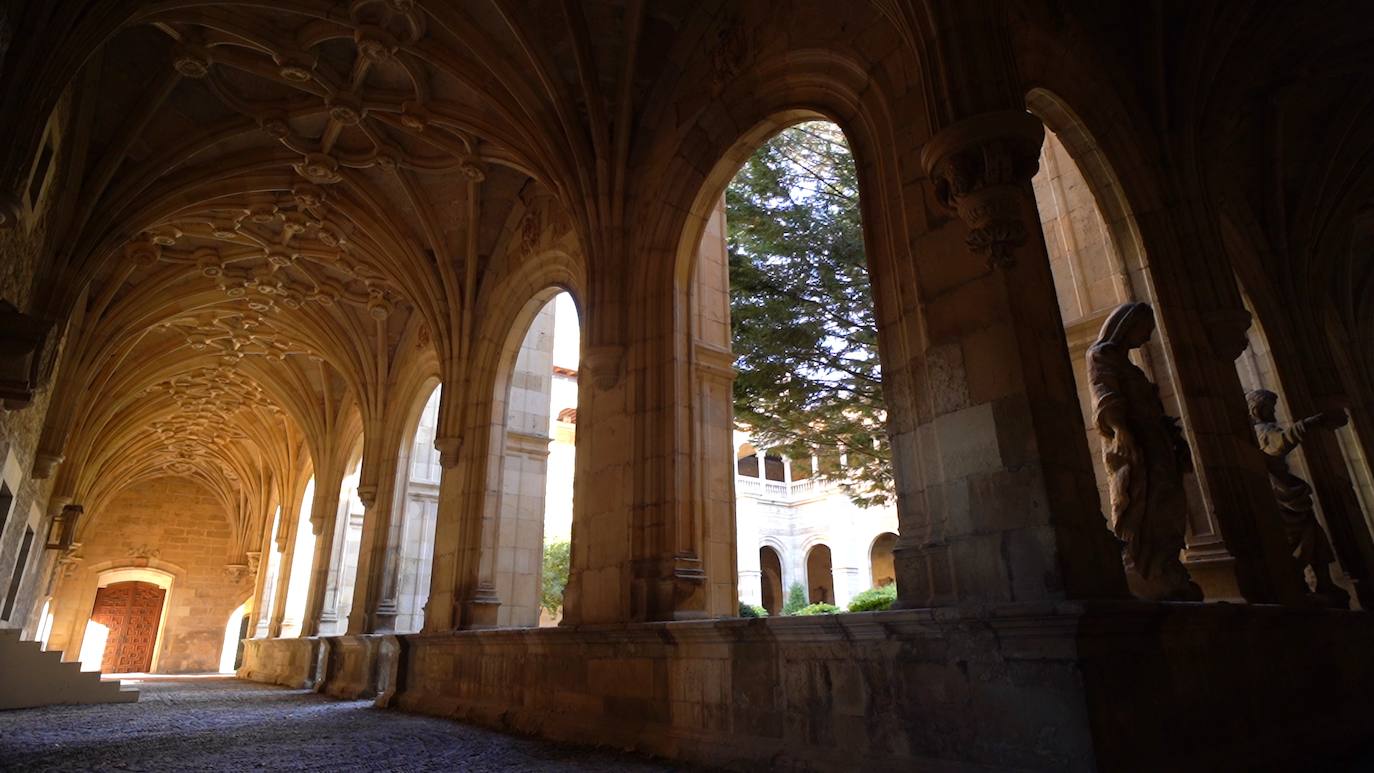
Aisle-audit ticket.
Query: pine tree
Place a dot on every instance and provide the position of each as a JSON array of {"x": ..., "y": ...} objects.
[
  {"x": 796, "y": 599},
  {"x": 804, "y": 330}
]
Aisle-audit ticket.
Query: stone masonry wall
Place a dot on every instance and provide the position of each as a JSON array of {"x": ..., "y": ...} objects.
[
  {"x": 1063, "y": 687},
  {"x": 170, "y": 525}
]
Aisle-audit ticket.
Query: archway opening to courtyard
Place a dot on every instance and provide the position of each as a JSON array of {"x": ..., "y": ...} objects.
[
  {"x": 1257, "y": 370},
  {"x": 345, "y": 543},
  {"x": 302, "y": 556},
  {"x": 533, "y": 460},
  {"x": 235, "y": 631},
  {"x": 781, "y": 288},
  {"x": 417, "y": 507},
  {"x": 1098, "y": 262}
]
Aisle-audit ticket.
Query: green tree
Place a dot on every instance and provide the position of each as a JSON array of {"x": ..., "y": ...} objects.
[
  {"x": 555, "y": 575},
  {"x": 796, "y": 599},
  {"x": 804, "y": 331}
]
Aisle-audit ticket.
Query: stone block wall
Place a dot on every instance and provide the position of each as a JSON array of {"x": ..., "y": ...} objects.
[
  {"x": 1065, "y": 687},
  {"x": 170, "y": 526}
]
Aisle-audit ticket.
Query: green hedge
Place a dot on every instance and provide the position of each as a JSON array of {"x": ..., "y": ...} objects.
[
  {"x": 821, "y": 608},
  {"x": 874, "y": 599},
  {"x": 751, "y": 610}
]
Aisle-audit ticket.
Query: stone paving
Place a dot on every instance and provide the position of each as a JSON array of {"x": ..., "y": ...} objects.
[{"x": 223, "y": 724}]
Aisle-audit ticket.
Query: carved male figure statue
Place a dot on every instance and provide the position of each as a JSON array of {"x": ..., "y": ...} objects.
[
  {"x": 1311, "y": 549},
  {"x": 1145, "y": 456}
]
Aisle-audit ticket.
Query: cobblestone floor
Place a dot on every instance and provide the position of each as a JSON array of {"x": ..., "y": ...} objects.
[{"x": 228, "y": 725}]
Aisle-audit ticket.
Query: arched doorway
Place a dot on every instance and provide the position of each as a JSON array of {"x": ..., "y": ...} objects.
[
  {"x": 124, "y": 631},
  {"x": 880, "y": 560},
  {"x": 770, "y": 578},
  {"x": 819, "y": 580},
  {"x": 131, "y": 613}
]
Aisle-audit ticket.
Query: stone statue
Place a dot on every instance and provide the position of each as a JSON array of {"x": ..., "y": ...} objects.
[
  {"x": 1145, "y": 456},
  {"x": 1311, "y": 549}
]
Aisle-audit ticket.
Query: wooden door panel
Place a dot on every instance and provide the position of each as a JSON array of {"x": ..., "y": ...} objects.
[{"x": 131, "y": 612}]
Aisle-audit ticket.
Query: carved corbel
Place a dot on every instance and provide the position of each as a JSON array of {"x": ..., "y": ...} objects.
[
  {"x": 980, "y": 167},
  {"x": 367, "y": 494},
  {"x": 22, "y": 339},
  {"x": 448, "y": 448},
  {"x": 62, "y": 531},
  {"x": 1226, "y": 329},
  {"x": 605, "y": 363}
]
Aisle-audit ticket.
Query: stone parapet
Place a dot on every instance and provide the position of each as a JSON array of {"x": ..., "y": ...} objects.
[
  {"x": 1067, "y": 686},
  {"x": 289, "y": 662}
]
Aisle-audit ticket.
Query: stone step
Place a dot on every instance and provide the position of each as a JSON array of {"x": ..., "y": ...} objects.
[{"x": 30, "y": 676}]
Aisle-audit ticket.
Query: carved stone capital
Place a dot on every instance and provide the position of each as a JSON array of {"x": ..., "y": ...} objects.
[
  {"x": 254, "y": 558},
  {"x": 448, "y": 448},
  {"x": 236, "y": 573},
  {"x": 1226, "y": 329},
  {"x": 980, "y": 167},
  {"x": 605, "y": 363}
]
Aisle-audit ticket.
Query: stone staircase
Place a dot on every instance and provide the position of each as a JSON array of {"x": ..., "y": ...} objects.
[{"x": 31, "y": 677}]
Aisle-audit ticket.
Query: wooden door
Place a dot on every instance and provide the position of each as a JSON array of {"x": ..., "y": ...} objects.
[{"x": 131, "y": 611}]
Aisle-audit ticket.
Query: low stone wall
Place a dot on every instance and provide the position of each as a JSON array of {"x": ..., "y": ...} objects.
[
  {"x": 289, "y": 662},
  {"x": 1047, "y": 687}
]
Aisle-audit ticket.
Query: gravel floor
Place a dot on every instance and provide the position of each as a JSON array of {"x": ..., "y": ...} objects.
[{"x": 228, "y": 725}]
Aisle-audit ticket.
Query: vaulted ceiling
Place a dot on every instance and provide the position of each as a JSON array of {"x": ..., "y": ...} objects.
[{"x": 271, "y": 214}]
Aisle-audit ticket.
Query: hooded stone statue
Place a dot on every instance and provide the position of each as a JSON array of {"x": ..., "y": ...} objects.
[
  {"x": 1145, "y": 456},
  {"x": 1311, "y": 549}
]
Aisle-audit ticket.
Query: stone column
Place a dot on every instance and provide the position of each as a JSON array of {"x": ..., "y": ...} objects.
[
  {"x": 262, "y": 593},
  {"x": 369, "y": 613},
  {"x": 441, "y": 611}
]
